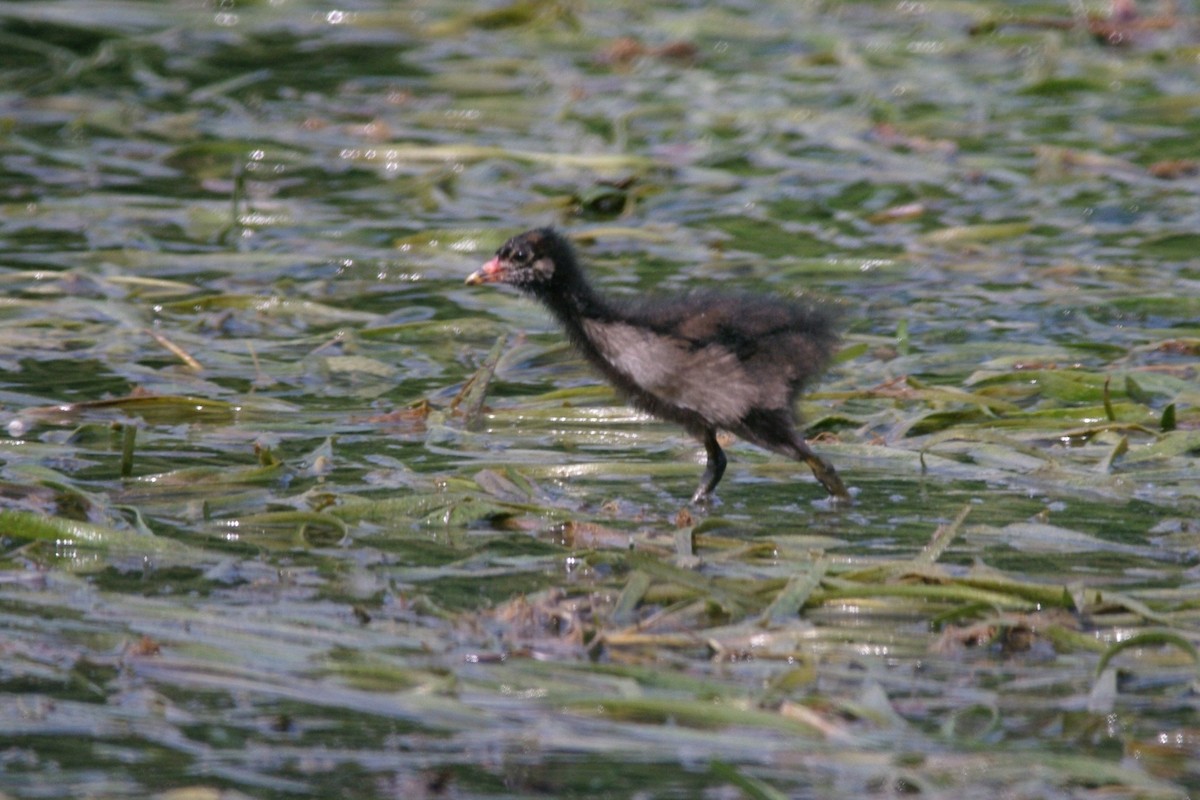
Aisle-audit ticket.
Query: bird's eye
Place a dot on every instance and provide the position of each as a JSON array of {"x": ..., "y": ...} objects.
[{"x": 521, "y": 255}]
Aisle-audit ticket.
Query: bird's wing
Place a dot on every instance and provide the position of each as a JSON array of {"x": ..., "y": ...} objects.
[{"x": 704, "y": 377}]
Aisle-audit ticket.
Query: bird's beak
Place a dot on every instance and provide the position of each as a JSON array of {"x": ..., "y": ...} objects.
[{"x": 491, "y": 272}]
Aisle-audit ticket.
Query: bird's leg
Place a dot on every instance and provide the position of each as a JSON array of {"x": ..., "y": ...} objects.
[
  {"x": 713, "y": 471},
  {"x": 824, "y": 472}
]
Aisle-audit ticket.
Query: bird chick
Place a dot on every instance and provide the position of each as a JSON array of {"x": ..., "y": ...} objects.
[{"x": 708, "y": 361}]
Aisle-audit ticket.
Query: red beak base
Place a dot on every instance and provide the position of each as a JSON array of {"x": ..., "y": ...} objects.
[{"x": 491, "y": 272}]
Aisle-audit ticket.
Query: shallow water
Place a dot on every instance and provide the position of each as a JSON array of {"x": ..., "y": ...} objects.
[{"x": 288, "y": 509}]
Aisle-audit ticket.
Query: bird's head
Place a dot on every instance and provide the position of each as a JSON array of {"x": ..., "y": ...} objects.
[{"x": 537, "y": 262}]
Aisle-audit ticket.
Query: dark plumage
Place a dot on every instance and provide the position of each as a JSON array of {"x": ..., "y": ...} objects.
[{"x": 709, "y": 361}]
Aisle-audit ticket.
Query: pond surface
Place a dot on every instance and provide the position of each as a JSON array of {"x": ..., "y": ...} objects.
[{"x": 286, "y": 509}]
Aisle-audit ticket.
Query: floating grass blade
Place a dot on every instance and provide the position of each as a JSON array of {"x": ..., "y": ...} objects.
[
  {"x": 942, "y": 537},
  {"x": 154, "y": 409},
  {"x": 787, "y": 604},
  {"x": 128, "y": 439},
  {"x": 468, "y": 153},
  {"x": 471, "y": 397},
  {"x": 625, "y": 611},
  {"x": 69, "y": 532},
  {"x": 1161, "y": 638},
  {"x": 187, "y": 358},
  {"x": 705, "y": 587},
  {"x": 752, "y": 788},
  {"x": 1116, "y": 451}
]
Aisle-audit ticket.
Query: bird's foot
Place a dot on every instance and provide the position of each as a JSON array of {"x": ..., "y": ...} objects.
[
  {"x": 835, "y": 502},
  {"x": 704, "y": 498},
  {"x": 827, "y": 476}
]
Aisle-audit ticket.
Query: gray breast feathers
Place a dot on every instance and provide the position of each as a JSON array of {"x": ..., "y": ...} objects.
[{"x": 707, "y": 378}]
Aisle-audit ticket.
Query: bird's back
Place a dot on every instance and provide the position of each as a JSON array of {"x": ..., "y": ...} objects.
[{"x": 719, "y": 355}]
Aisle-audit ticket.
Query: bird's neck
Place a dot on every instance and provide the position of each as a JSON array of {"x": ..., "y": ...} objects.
[
  {"x": 580, "y": 304},
  {"x": 579, "y": 301}
]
